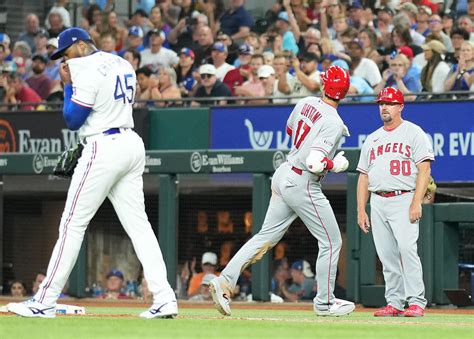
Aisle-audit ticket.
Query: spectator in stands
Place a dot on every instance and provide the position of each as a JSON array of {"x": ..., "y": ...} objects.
[
  {"x": 268, "y": 58},
  {"x": 208, "y": 266},
  {"x": 414, "y": 70},
  {"x": 266, "y": 74},
  {"x": 157, "y": 56},
  {"x": 32, "y": 28},
  {"x": 281, "y": 66},
  {"x": 458, "y": 36},
  {"x": 184, "y": 72},
  {"x": 236, "y": 22},
  {"x": 21, "y": 49},
  {"x": 407, "y": 19},
  {"x": 157, "y": 22},
  {"x": 204, "y": 292},
  {"x": 306, "y": 80},
  {"x": 203, "y": 48},
  {"x": 17, "y": 289},
  {"x": 94, "y": 18},
  {"x": 465, "y": 22},
  {"x": 167, "y": 86},
  {"x": 37, "y": 282},
  {"x": 114, "y": 286},
  {"x": 133, "y": 57},
  {"x": 361, "y": 66},
  {"x": 303, "y": 285},
  {"x": 397, "y": 76},
  {"x": 436, "y": 27},
  {"x": 210, "y": 87},
  {"x": 422, "y": 19},
  {"x": 232, "y": 49},
  {"x": 384, "y": 25},
  {"x": 140, "y": 19},
  {"x": 111, "y": 25},
  {"x": 369, "y": 43},
  {"x": 461, "y": 75},
  {"x": 39, "y": 81},
  {"x": 448, "y": 23},
  {"x": 190, "y": 30},
  {"x": 56, "y": 25},
  {"x": 147, "y": 87},
  {"x": 236, "y": 77},
  {"x": 17, "y": 92},
  {"x": 401, "y": 37},
  {"x": 356, "y": 15},
  {"x": 60, "y": 8},
  {"x": 5, "y": 43},
  {"x": 107, "y": 43},
  {"x": 134, "y": 39},
  {"x": 219, "y": 56},
  {"x": 311, "y": 36},
  {"x": 52, "y": 67},
  {"x": 41, "y": 42},
  {"x": 359, "y": 85},
  {"x": 289, "y": 41},
  {"x": 253, "y": 87},
  {"x": 435, "y": 72}
]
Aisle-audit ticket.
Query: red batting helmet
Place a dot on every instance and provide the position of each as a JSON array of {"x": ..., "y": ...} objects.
[
  {"x": 336, "y": 82},
  {"x": 391, "y": 94}
]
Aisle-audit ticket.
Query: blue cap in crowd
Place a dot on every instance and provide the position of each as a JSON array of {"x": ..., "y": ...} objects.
[
  {"x": 115, "y": 273},
  {"x": 220, "y": 47},
  {"x": 283, "y": 16},
  {"x": 136, "y": 31},
  {"x": 68, "y": 38}
]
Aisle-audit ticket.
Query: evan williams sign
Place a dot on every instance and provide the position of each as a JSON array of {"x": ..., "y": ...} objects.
[{"x": 7, "y": 137}]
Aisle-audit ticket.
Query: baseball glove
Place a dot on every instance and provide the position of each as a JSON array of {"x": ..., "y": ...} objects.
[
  {"x": 430, "y": 190},
  {"x": 68, "y": 161}
]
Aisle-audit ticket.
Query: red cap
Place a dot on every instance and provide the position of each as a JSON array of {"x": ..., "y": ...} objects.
[
  {"x": 336, "y": 82},
  {"x": 391, "y": 94},
  {"x": 407, "y": 51}
]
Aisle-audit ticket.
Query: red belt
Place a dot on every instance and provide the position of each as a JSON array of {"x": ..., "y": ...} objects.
[
  {"x": 297, "y": 170},
  {"x": 391, "y": 194}
]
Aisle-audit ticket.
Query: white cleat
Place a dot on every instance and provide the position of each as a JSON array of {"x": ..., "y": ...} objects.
[
  {"x": 338, "y": 309},
  {"x": 32, "y": 309},
  {"x": 164, "y": 310},
  {"x": 221, "y": 295}
]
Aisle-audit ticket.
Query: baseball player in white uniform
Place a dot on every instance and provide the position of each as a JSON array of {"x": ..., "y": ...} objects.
[
  {"x": 316, "y": 130},
  {"x": 394, "y": 167},
  {"x": 99, "y": 94}
]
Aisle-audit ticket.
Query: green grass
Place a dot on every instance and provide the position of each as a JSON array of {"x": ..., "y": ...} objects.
[{"x": 207, "y": 323}]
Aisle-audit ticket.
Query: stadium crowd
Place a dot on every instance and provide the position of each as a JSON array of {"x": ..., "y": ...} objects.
[{"x": 200, "y": 52}]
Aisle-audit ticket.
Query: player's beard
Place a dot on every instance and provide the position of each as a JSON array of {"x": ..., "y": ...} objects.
[{"x": 386, "y": 117}]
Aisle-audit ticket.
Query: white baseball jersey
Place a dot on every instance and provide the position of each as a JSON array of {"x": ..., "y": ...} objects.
[
  {"x": 313, "y": 124},
  {"x": 110, "y": 91},
  {"x": 390, "y": 157}
]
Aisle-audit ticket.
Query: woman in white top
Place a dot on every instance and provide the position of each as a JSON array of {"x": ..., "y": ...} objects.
[{"x": 436, "y": 71}]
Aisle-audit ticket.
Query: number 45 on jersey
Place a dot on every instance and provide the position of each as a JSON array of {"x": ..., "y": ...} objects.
[{"x": 123, "y": 88}]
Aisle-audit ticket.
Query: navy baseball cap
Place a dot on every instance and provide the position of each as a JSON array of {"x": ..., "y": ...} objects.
[
  {"x": 115, "y": 273},
  {"x": 68, "y": 38}
]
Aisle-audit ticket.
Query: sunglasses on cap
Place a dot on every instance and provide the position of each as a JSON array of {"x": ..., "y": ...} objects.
[{"x": 206, "y": 76}]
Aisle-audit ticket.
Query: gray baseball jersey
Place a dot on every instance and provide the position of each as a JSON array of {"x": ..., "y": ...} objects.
[
  {"x": 296, "y": 192},
  {"x": 389, "y": 158},
  {"x": 313, "y": 125}
]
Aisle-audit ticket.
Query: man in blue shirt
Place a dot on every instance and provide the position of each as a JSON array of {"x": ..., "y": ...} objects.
[{"x": 236, "y": 22}]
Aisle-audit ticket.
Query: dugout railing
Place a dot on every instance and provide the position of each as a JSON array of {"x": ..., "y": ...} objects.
[{"x": 438, "y": 243}]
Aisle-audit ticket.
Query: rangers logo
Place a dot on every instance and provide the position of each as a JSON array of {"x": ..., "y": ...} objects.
[{"x": 196, "y": 162}]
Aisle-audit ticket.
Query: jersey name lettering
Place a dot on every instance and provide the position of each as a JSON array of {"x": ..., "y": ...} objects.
[
  {"x": 390, "y": 148},
  {"x": 310, "y": 112}
]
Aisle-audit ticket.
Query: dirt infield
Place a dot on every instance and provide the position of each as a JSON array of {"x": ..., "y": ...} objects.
[{"x": 299, "y": 306}]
